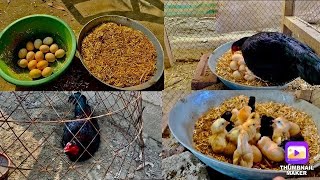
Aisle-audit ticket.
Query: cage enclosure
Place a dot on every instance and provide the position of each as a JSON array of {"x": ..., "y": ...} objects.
[
  {"x": 195, "y": 27},
  {"x": 32, "y": 126}
]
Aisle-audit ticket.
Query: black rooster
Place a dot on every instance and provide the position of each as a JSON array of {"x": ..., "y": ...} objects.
[
  {"x": 83, "y": 134},
  {"x": 278, "y": 58}
]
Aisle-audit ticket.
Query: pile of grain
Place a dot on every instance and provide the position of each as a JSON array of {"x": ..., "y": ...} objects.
[
  {"x": 119, "y": 55},
  {"x": 307, "y": 125}
]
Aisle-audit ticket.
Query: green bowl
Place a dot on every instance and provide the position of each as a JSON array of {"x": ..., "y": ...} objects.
[{"x": 17, "y": 34}]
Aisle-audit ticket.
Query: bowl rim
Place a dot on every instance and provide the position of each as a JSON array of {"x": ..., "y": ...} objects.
[
  {"x": 198, "y": 153},
  {"x": 131, "y": 88},
  {"x": 212, "y": 67},
  {"x": 9, "y": 164},
  {"x": 54, "y": 75}
]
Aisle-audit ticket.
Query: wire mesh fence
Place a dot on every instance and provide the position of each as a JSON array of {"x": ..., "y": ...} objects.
[
  {"x": 33, "y": 127},
  {"x": 196, "y": 27}
]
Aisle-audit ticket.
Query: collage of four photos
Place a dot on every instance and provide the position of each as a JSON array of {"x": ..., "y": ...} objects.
[{"x": 159, "y": 89}]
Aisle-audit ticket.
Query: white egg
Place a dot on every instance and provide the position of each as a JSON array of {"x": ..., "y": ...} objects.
[
  {"x": 48, "y": 41},
  {"x": 241, "y": 61},
  {"x": 242, "y": 67},
  {"x": 37, "y": 43},
  {"x": 22, "y": 53},
  {"x": 249, "y": 77},
  {"x": 237, "y": 57},
  {"x": 237, "y": 75},
  {"x": 234, "y": 65}
]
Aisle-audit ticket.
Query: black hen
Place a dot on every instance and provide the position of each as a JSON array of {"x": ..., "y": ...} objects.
[
  {"x": 278, "y": 58},
  {"x": 266, "y": 126},
  {"x": 83, "y": 134}
]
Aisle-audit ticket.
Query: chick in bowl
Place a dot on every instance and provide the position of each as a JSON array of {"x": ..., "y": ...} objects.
[{"x": 250, "y": 134}]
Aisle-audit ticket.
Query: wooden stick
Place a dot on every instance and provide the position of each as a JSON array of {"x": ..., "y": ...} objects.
[
  {"x": 170, "y": 61},
  {"x": 288, "y": 10},
  {"x": 304, "y": 32}
]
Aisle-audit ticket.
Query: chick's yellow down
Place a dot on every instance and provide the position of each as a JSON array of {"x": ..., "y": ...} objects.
[
  {"x": 240, "y": 116},
  {"x": 257, "y": 156},
  {"x": 217, "y": 140},
  {"x": 281, "y": 129},
  {"x": 250, "y": 126},
  {"x": 233, "y": 134},
  {"x": 243, "y": 155},
  {"x": 270, "y": 149}
]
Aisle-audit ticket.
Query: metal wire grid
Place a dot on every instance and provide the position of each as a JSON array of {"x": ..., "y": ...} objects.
[
  {"x": 169, "y": 99},
  {"x": 196, "y": 27},
  {"x": 308, "y": 11},
  {"x": 31, "y": 126}
]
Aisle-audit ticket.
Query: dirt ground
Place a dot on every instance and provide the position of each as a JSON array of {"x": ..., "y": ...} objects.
[{"x": 36, "y": 148}]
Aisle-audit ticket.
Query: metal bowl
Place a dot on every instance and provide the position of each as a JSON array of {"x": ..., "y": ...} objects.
[
  {"x": 4, "y": 164},
  {"x": 185, "y": 113},
  {"x": 137, "y": 26},
  {"x": 213, "y": 60}
]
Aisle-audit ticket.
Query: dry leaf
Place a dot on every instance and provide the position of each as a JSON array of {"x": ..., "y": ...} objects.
[
  {"x": 141, "y": 166},
  {"x": 56, "y": 6},
  {"x": 59, "y": 7}
]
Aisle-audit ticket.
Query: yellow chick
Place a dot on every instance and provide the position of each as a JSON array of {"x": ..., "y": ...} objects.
[
  {"x": 243, "y": 115},
  {"x": 294, "y": 129},
  {"x": 255, "y": 117},
  {"x": 280, "y": 130},
  {"x": 233, "y": 134},
  {"x": 229, "y": 149},
  {"x": 234, "y": 116},
  {"x": 243, "y": 155},
  {"x": 270, "y": 149},
  {"x": 255, "y": 120},
  {"x": 218, "y": 140},
  {"x": 251, "y": 127},
  {"x": 257, "y": 156}
]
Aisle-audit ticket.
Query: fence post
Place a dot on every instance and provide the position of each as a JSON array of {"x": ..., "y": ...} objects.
[
  {"x": 168, "y": 50},
  {"x": 288, "y": 10}
]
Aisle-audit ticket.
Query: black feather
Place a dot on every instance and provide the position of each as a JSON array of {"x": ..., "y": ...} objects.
[
  {"x": 298, "y": 137},
  {"x": 266, "y": 126},
  {"x": 252, "y": 102},
  {"x": 227, "y": 116},
  {"x": 279, "y": 58}
]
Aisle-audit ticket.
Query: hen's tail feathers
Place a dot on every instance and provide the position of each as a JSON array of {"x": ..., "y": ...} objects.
[
  {"x": 76, "y": 98},
  {"x": 309, "y": 68}
]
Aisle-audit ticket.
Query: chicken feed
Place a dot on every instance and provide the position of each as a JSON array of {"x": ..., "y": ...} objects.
[
  {"x": 119, "y": 55},
  {"x": 308, "y": 128}
]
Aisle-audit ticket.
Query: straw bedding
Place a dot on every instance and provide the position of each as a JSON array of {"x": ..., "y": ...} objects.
[
  {"x": 308, "y": 128},
  {"x": 119, "y": 55}
]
